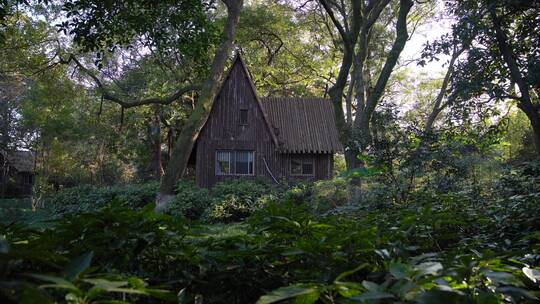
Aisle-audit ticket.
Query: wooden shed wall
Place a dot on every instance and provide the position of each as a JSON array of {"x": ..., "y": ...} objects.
[{"x": 223, "y": 131}]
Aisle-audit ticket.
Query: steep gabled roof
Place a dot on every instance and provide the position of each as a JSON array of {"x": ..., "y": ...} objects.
[
  {"x": 303, "y": 125},
  {"x": 22, "y": 161},
  {"x": 257, "y": 99},
  {"x": 296, "y": 125}
]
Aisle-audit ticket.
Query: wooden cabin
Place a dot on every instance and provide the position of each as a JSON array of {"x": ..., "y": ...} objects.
[
  {"x": 281, "y": 139},
  {"x": 17, "y": 173}
]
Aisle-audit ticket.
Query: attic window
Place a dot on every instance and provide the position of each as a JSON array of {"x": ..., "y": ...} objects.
[{"x": 243, "y": 117}]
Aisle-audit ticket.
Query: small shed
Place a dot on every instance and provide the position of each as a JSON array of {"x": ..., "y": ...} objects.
[{"x": 17, "y": 173}]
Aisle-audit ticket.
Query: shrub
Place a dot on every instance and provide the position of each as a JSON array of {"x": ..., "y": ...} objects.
[
  {"x": 437, "y": 249},
  {"x": 190, "y": 201},
  {"x": 299, "y": 193},
  {"x": 329, "y": 194},
  {"x": 234, "y": 200},
  {"x": 86, "y": 198},
  {"x": 137, "y": 195},
  {"x": 521, "y": 179}
]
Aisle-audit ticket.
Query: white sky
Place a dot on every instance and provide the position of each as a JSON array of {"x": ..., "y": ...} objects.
[{"x": 435, "y": 28}]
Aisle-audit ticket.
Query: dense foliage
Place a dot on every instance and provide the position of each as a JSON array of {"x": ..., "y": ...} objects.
[{"x": 439, "y": 248}]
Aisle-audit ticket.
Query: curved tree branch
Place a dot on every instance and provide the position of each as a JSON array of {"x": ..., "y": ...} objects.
[{"x": 106, "y": 94}]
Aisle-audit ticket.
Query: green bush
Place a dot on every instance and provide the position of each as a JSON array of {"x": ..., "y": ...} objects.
[
  {"x": 299, "y": 193},
  {"x": 87, "y": 198},
  {"x": 329, "y": 194},
  {"x": 437, "y": 249},
  {"x": 190, "y": 201},
  {"x": 234, "y": 200},
  {"x": 519, "y": 180}
]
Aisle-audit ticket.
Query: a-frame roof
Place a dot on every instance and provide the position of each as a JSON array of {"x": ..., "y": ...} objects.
[
  {"x": 296, "y": 125},
  {"x": 257, "y": 99}
]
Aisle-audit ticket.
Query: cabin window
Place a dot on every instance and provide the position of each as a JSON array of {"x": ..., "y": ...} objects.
[
  {"x": 301, "y": 165},
  {"x": 234, "y": 162},
  {"x": 244, "y": 162},
  {"x": 223, "y": 162},
  {"x": 243, "y": 117},
  {"x": 27, "y": 178}
]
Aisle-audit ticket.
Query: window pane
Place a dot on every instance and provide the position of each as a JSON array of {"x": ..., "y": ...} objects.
[
  {"x": 296, "y": 166},
  {"x": 223, "y": 162},
  {"x": 307, "y": 167},
  {"x": 244, "y": 162},
  {"x": 250, "y": 161},
  {"x": 243, "y": 117}
]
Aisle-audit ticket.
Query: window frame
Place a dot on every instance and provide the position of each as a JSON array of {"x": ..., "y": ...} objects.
[
  {"x": 302, "y": 161},
  {"x": 232, "y": 162},
  {"x": 216, "y": 162},
  {"x": 240, "y": 121},
  {"x": 252, "y": 163}
]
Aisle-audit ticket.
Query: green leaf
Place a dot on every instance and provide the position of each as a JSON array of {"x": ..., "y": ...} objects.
[
  {"x": 348, "y": 289},
  {"x": 308, "y": 298},
  {"x": 136, "y": 283},
  {"x": 182, "y": 296},
  {"x": 4, "y": 244},
  {"x": 503, "y": 278},
  {"x": 532, "y": 274},
  {"x": 370, "y": 285},
  {"x": 516, "y": 293},
  {"x": 59, "y": 283},
  {"x": 437, "y": 296},
  {"x": 105, "y": 284},
  {"x": 399, "y": 270},
  {"x": 372, "y": 295},
  {"x": 429, "y": 268},
  {"x": 284, "y": 293},
  {"x": 78, "y": 265},
  {"x": 162, "y": 294},
  {"x": 293, "y": 251},
  {"x": 348, "y": 273}
]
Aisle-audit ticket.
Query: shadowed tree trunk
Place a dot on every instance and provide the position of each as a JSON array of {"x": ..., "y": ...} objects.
[
  {"x": 190, "y": 131},
  {"x": 524, "y": 101},
  {"x": 155, "y": 138}
]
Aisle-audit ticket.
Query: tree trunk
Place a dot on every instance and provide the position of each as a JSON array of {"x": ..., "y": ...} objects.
[
  {"x": 524, "y": 102},
  {"x": 367, "y": 100},
  {"x": 391, "y": 61},
  {"x": 186, "y": 139},
  {"x": 534, "y": 119},
  {"x": 154, "y": 131},
  {"x": 349, "y": 36},
  {"x": 438, "y": 105}
]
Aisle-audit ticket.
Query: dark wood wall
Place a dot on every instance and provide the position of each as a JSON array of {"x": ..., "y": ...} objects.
[{"x": 223, "y": 131}]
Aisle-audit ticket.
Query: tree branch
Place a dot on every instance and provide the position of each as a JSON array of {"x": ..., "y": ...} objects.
[
  {"x": 106, "y": 94},
  {"x": 336, "y": 22}
]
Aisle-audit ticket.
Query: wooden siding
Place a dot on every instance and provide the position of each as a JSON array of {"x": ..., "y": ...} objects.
[{"x": 223, "y": 131}]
